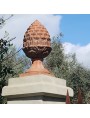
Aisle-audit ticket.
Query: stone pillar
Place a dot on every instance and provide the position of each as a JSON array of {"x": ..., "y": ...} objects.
[
  {"x": 37, "y": 84},
  {"x": 36, "y": 89}
]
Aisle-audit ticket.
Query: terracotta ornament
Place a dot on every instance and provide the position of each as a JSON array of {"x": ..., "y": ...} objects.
[{"x": 36, "y": 45}]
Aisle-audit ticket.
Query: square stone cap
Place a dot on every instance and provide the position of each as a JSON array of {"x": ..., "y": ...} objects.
[
  {"x": 36, "y": 85},
  {"x": 36, "y": 79}
]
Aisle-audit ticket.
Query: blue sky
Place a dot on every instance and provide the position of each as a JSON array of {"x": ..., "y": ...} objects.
[{"x": 76, "y": 28}]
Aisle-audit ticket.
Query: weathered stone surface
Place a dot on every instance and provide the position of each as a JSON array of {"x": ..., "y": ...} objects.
[{"x": 38, "y": 88}]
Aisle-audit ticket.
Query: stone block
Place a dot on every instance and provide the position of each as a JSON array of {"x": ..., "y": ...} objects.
[{"x": 36, "y": 89}]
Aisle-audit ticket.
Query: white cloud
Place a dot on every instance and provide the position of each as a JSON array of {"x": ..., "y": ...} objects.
[
  {"x": 82, "y": 53},
  {"x": 18, "y": 25}
]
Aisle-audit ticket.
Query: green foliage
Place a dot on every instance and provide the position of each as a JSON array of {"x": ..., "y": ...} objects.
[
  {"x": 4, "y": 70},
  {"x": 4, "y": 45},
  {"x": 12, "y": 63},
  {"x": 67, "y": 67},
  {"x": 56, "y": 57},
  {"x": 17, "y": 61}
]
